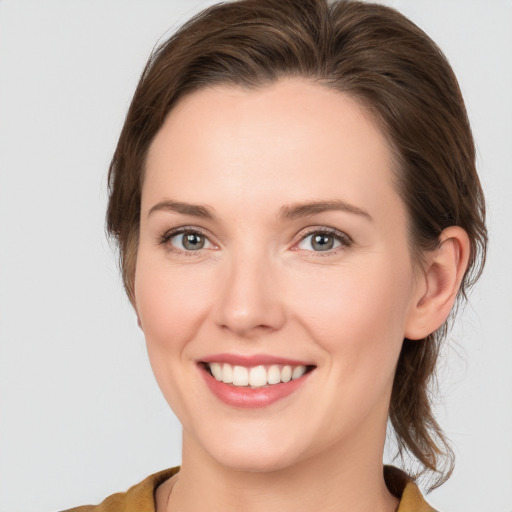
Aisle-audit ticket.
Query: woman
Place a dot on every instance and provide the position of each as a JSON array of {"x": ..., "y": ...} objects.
[{"x": 297, "y": 208}]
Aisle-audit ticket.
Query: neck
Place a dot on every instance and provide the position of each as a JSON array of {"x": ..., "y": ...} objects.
[{"x": 337, "y": 480}]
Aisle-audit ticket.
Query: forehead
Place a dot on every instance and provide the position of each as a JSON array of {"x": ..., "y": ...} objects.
[{"x": 294, "y": 140}]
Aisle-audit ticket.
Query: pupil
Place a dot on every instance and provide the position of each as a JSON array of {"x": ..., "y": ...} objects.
[
  {"x": 322, "y": 242},
  {"x": 193, "y": 241}
]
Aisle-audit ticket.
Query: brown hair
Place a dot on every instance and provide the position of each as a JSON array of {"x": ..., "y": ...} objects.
[{"x": 384, "y": 61}]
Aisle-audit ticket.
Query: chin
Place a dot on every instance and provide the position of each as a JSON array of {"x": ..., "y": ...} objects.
[
  {"x": 253, "y": 456},
  {"x": 254, "y": 462}
]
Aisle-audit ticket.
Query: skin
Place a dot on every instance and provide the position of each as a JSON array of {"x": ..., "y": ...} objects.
[{"x": 259, "y": 287}]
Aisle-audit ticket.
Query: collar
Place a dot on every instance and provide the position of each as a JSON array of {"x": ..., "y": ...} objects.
[
  {"x": 404, "y": 488},
  {"x": 141, "y": 497}
]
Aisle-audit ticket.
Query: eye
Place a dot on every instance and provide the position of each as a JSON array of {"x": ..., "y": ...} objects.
[
  {"x": 323, "y": 241},
  {"x": 188, "y": 240}
]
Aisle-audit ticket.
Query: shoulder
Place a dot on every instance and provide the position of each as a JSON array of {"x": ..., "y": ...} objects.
[
  {"x": 140, "y": 497},
  {"x": 404, "y": 488}
]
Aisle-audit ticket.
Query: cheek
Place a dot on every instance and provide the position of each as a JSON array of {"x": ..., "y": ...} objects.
[
  {"x": 172, "y": 305},
  {"x": 357, "y": 313},
  {"x": 171, "y": 302}
]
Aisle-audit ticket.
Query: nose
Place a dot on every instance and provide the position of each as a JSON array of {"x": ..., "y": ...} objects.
[{"x": 250, "y": 300}]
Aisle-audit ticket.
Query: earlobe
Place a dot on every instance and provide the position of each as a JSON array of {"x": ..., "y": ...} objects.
[
  {"x": 134, "y": 304},
  {"x": 139, "y": 323},
  {"x": 440, "y": 281}
]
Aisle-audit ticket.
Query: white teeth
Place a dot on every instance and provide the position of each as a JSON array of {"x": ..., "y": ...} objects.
[
  {"x": 274, "y": 374},
  {"x": 216, "y": 370},
  {"x": 240, "y": 376},
  {"x": 227, "y": 373},
  {"x": 258, "y": 376},
  {"x": 298, "y": 371},
  {"x": 255, "y": 376},
  {"x": 286, "y": 373}
]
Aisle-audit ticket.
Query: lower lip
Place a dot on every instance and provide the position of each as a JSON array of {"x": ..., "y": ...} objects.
[{"x": 251, "y": 398}]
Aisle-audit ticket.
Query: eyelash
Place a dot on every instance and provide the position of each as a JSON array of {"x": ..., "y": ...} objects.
[{"x": 344, "y": 240}]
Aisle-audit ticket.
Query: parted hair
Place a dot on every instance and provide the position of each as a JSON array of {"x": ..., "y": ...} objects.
[{"x": 398, "y": 74}]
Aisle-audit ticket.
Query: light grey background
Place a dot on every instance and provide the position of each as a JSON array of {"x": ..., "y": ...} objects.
[{"x": 80, "y": 414}]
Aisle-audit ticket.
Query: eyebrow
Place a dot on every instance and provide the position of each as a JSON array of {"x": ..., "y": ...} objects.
[
  {"x": 286, "y": 212},
  {"x": 307, "y": 209},
  {"x": 201, "y": 211}
]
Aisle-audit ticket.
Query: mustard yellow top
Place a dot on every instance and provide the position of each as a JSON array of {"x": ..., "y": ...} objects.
[{"x": 141, "y": 497}]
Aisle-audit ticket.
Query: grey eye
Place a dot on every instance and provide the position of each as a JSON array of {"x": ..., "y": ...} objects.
[
  {"x": 189, "y": 241},
  {"x": 319, "y": 242},
  {"x": 322, "y": 242}
]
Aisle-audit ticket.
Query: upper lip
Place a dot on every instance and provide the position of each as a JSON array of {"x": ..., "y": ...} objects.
[{"x": 252, "y": 360}]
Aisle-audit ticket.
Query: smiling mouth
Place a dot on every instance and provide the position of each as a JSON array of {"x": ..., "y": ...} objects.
[{"x": 259, "y": 376}]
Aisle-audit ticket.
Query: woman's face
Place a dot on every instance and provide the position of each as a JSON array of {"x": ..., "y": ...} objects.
[{"x": 272, "y": 241}]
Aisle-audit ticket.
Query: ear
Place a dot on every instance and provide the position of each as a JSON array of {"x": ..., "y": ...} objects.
[{"x": 438, "y": 283}]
